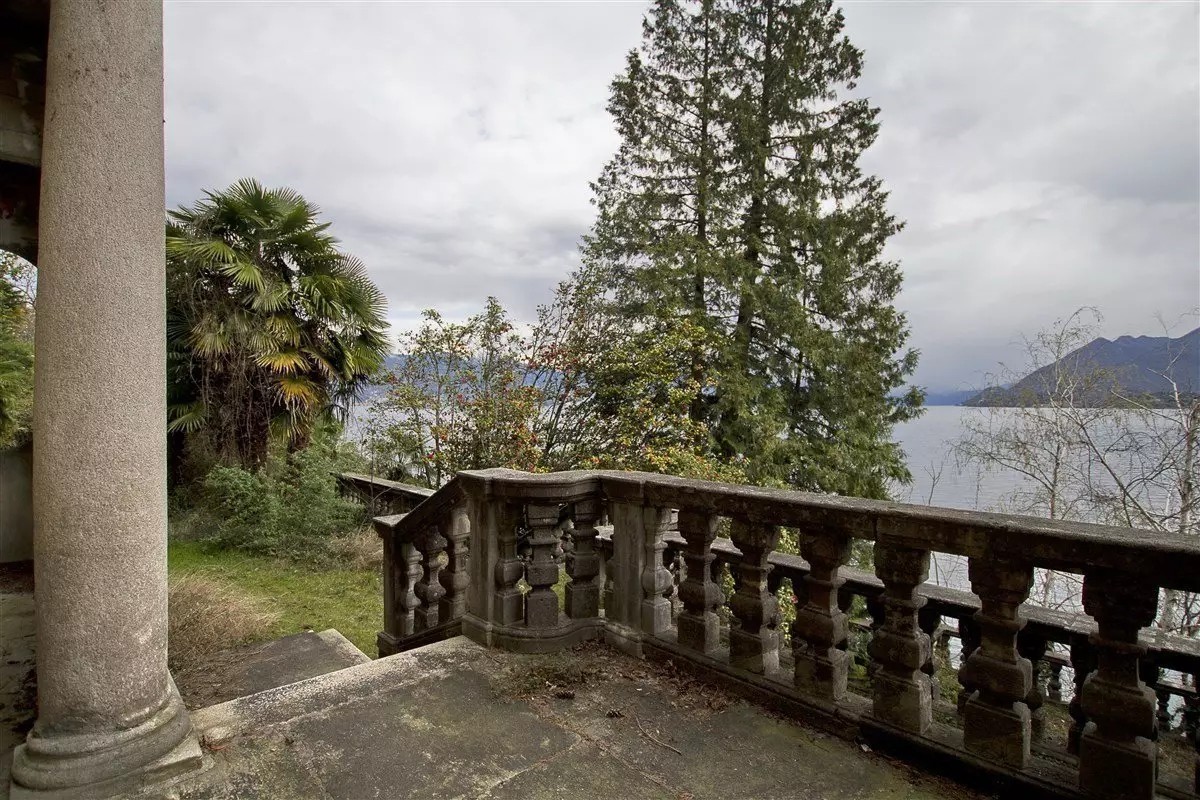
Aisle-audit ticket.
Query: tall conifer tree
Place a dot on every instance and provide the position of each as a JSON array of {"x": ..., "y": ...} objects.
[{"x": 736, "y": 199}]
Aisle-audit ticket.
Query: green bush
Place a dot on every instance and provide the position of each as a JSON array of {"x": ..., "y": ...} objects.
[{"x": 291, "y": 508}]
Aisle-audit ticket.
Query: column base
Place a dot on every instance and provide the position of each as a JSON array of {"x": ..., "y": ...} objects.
[
  {"x": 98, "y": 765},
  {"x": 1116, "y": 769},
  {"x": 902, "y": 702},
  {"x": 757, "y": 653},
  {"x": 996, "y": 733},
  {"x": 822, "y": 672}
]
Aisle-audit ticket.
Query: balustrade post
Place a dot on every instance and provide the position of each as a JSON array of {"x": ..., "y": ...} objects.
[
  {"x": 541, "y": 604},
  {"x": 899, "y": 648},
  {"x": 583, "y": 563},
  {"x": 996, "y": 722},
  {"x": 698, "y": 623},
  {"x": 430, "y": 544},
  {"x": 1117, "y": 751},
  {"x": 754, "y": 638},
  {"x": 638, "y": 577},
  {"x": 456, "y": 530},
  {"x": 821, "y": 628}
]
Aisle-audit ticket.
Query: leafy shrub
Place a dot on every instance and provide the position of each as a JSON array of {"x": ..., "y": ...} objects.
[{"x": 291, "y": 508}]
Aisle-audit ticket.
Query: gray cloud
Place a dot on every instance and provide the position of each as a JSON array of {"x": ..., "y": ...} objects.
[{"x": 1045, "y": 156}]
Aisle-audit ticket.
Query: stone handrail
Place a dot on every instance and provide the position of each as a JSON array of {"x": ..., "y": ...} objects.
[
  {"x": 627, "y": 593},
  {"x": 424, "y": 601},
  {"x": 381, "y": 495}
]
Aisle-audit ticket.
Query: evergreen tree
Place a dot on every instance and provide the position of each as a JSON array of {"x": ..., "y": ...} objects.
[{"x": 736, "y": 199}]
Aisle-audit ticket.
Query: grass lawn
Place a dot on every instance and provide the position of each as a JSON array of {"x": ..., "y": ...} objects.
[{"x": 303, "y": 596}]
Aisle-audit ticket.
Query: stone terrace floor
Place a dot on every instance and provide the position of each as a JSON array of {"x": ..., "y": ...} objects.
[{"x": 455, "y": 720}]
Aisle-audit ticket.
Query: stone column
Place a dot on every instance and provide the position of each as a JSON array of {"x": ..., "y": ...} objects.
[{"x": 108, "y": 709}]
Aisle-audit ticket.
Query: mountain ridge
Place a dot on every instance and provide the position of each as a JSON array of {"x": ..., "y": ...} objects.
[{"x": 1137, "y": 366}]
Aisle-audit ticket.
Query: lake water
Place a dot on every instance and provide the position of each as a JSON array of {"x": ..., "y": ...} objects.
[{"x": 938, "y": 479}]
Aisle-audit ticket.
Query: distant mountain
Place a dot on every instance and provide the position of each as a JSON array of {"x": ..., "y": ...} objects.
[
  {"x": 950, "y": 397},
  {"x": 1134, "y": 363}
]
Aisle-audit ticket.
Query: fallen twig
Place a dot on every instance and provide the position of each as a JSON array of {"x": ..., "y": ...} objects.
[{"x": 647, "y": 734}]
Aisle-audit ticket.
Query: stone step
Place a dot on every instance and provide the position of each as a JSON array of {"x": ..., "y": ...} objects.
[{"x": 269, "y": 665}]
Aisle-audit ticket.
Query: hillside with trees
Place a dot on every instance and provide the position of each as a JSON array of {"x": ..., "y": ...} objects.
[{"x": 1149, "y": 368}]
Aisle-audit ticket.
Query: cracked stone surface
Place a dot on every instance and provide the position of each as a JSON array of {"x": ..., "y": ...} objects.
[{"x": 455, "y": 720}]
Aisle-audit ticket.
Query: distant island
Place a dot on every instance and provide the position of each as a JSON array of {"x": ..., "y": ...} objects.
[{"x": 1133, "y": 365}]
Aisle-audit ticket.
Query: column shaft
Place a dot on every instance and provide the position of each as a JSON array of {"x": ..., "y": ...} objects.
[{"x": 107, "y": 705}]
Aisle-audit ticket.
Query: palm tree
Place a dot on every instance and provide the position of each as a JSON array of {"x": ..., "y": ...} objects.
[{"x": 270, "y": 327}]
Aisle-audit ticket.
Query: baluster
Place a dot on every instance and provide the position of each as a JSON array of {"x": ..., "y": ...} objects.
[
  {"x": 1083, "y": 661},
  {"x": 1054, "y": 684},
  {"x": 456, "y": 530},
  {"x": 698, "y": 623},
  {"x": 928, "y": 619},
  {"x": 562, "y": 550},
  {"x": 1117, "y": 754},
  {"x": 656, "y": 580},
  {"x": 401, "y": 569},
  {"x": 877, "y": 613},
  {"x": 1034, "y": 649},
  {"x": 996, "y": 721},
  {"x": 583, "y": 563},
  {"x": 1150, "y": 674},
  {"x": 821, "y": 627},
  {"x": 671, "y": 565},
  {"x": 407, "y": 573},
  {"x": 1191, "y": 710},
  {"x": 968, "y": 640},
  {"x": 508, "y": 603},
  {"x": 430, "y": 544},
  {"x": 606, "y": 581},
  {"x": 1164, "y": 708},
  {"x": 899, "y": 648},
  {"x": 754, "y": 641},
  {"x": 541, "y": 604}
]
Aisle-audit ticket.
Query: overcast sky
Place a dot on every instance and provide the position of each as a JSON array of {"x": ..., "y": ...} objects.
[{"x": 1045, "y": 155}]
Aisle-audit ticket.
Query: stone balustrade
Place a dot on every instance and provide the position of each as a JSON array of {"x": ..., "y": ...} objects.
[
  {"x": 382, "y": 496},
  {"x": 663, "y": 567}
]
